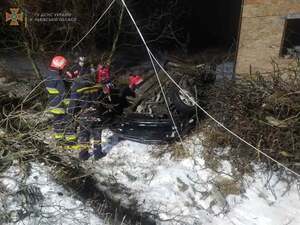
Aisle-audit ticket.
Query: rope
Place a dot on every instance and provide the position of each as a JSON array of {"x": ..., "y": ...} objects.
[
  {"x": 156, "y": 73},
  {"x": 103, "y": 14},
  {"x": 166, "y": 101},
  {"x": 152, "y": 57}
]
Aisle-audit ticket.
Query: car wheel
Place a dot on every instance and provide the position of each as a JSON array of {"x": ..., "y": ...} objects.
[{"x": 183, "y": 104}]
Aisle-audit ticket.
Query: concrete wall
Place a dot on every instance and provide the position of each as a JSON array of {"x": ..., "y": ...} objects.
[{"x": 261, "y": 33}]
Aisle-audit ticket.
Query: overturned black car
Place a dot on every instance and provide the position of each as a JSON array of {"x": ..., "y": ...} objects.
[{"x": 146, "y": 118}]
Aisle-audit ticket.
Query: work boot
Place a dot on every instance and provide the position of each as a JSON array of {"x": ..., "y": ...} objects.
[
  {"x": 98, "y": 153},
  {"x": 84, "y": 155}
]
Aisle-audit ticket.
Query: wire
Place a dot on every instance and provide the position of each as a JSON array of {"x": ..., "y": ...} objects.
[
  {"x": 222, "y": 125},
  {"x": 166, "y": 101},
  {"x": 87, "y": 33},
  {"x": 156, "y": 73},
  {"x": 152, "y": 57}
]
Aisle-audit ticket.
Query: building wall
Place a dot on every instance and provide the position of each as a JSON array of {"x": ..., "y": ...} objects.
[{"x": 261, "y": 34}]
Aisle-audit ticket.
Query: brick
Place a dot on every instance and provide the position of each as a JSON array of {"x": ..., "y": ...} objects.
[{"x": 261, "y": 33}]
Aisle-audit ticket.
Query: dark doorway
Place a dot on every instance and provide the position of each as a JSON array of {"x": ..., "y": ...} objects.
[
  {"x": 213, "y": 23},
  {"x": 291, "y": 39}
]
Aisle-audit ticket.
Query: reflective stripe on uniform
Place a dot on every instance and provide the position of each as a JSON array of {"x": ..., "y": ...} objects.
[
  {"x": 90, "y": 91},
  {"x": 94, "y": 88},
  {"x": 70, "y": 137},
  {"x": 77, "y": 147},
  {"x": 57, "y": 111},
  {"x": 52, "y": 91},
  {"x": 66, "y": 102},
  {"x": 58, "y": 136}
]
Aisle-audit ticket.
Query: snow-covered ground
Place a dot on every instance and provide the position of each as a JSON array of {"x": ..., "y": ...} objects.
[
  {"x": 185, "y": 191},
  {"x": 176, "y": 191},
  {"x": 37, "y": 199}
]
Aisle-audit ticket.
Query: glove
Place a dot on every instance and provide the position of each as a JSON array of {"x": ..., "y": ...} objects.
[
  {"x": 72, "y": 75},
  {"x": 107, "y": 88}
]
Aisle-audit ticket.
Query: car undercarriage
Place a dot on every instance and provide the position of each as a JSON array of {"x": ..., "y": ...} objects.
[{"x": 147, "y": 118}]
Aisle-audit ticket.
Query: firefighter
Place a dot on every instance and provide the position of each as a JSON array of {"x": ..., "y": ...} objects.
[
  {"x": 94, "y": 112},
  {"x": 79, "y": 73},
  {"x": 130, "y": 91},
  {"x": 134, "y": 82},
  {"x": 55, "y": 86},
  {"x": 91, "y": 116},
  {"x": 91, "y": 121},
  {"x": 103, "y": 74},
  {"x": 103, "y": 77}
]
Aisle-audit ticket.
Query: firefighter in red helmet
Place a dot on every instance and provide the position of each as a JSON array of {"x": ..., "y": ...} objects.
[
  {"x": 55, "y": 86},
  {"x": 58, "y": 72},
  {"x": 92, "y": 115},
  {"x": 90, "y": 119}
]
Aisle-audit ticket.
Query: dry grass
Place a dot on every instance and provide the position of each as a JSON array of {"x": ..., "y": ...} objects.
[
  {"x": 228, "y": 186},
  {"x": 179, "y": 152},
  {"x": 264, "y": 110}
]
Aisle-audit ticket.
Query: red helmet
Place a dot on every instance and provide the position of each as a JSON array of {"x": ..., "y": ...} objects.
[
  {"x": 59, "y": 62},
  {"x": 135, "y": 80}
]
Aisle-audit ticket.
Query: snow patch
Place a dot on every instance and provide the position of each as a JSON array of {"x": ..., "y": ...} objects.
[
  {"x": 37, "y": 199},
  {"x": 187, "y": 192}
]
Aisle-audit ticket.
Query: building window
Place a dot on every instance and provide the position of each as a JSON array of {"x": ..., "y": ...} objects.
[{"x": 291, "y": 38}]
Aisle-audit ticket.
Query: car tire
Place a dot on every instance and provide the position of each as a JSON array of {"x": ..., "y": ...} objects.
[{"x": 180, "y": 102}]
